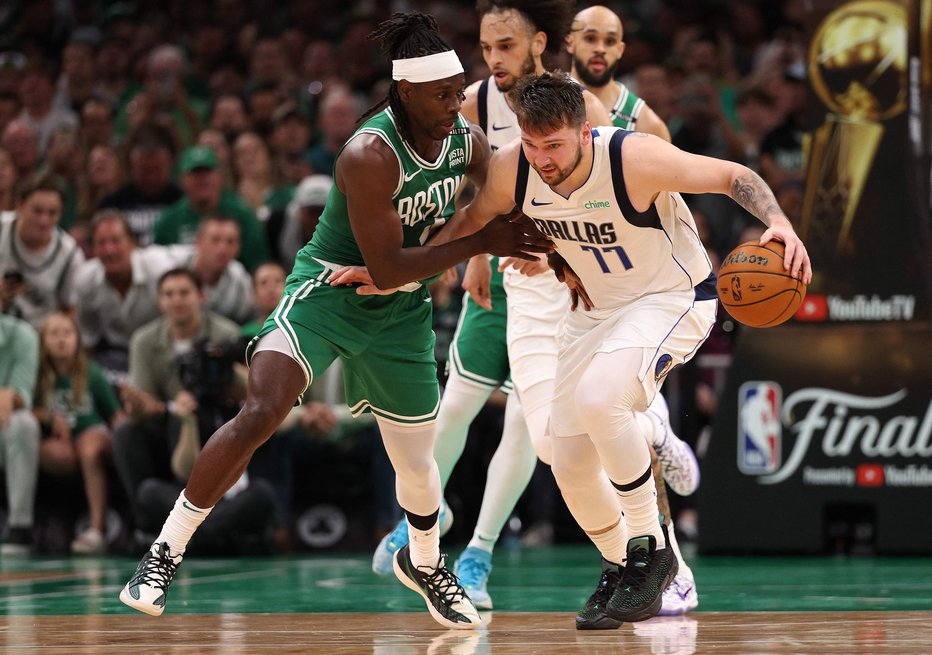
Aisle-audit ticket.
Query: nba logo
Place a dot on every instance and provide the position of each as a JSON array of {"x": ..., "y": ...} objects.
[{"x": 759, "y": 427}]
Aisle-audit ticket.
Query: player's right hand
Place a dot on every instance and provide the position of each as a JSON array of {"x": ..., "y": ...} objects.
[{"x": 514, "y": 235}]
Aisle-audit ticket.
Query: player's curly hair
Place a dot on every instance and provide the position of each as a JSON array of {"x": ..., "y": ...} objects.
[
  {"x": 552, "y": 17},
  {"x": 405, "y": 36},
  {"x": 547, "y": 103}
]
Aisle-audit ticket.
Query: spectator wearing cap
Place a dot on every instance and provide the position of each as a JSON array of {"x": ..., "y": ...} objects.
[
  {"x": 118, "y": 290},
  {"x": 202, "y": 184},
  {"x": 302, "y": 216},
  {"x": 36, "y": 91},
  {"x": 150, "y": 189},
  {"x": 38, "y": 259},
  {"x": 290, "y": 138},
  {"x": 336, "y": 122},
  {"x": 258, "y": 182}
]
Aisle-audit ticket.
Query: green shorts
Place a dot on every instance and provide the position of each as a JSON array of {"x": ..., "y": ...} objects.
[
  {"x": 479, "y": 353},
  {"x": 385, "y": 343}
]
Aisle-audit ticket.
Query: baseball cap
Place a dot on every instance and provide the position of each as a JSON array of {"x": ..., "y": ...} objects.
[
  {"x": 313, "y": 190},
  {"x": 199, "y": 157}
]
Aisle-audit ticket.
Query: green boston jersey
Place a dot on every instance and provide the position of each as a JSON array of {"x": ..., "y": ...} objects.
[
  {"x": 423, "y": 196},
  {"x": 626, "y": 109}
]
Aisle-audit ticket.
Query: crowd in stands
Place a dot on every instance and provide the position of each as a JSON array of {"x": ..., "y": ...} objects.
[{"x": 162, "y": 162}]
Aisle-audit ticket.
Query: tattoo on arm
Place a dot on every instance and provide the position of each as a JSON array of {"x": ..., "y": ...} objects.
[{"x": 752, "y": 193}]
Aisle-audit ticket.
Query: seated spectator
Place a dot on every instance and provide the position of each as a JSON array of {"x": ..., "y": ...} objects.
[
  {"x": 228, "y": 115},
  {"x": 97, "y": 116},
  {"x": 290, "y": 138},
  {"x": 163, "y": 97},
  {"x": 302, "y": 215},
  {"x": 104, "y": 178},
  {"x": 258, "y": 183},
  {"x": 170, "y": 396},
  {"x": 64, "y": 166},
  {"x": 204, "y": 195},
  {"x": 336, "y": 121},
  {"x": 22, "y": 142},
  {"x": 76, "y": 407},
  {"x": 140, "y": 446},
  {"x": 118, "y": 290},
  {"x": 36, "y": 90},
  {"x": 268, "y": 284},
  {"x": 75, "y": 85},
  {"x": 38, "y": 259},
  {"x": 226, "y": 284},
  {"x": 150, "y": 189},
  {"x": 19, "y": 429}
]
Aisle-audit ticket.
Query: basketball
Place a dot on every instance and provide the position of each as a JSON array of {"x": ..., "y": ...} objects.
[{"x": 754, "y": 287}]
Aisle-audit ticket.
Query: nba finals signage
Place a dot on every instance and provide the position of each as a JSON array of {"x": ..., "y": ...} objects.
[
  {"x": 866, "y": 212},
  {"x": 822, "y": 441}
]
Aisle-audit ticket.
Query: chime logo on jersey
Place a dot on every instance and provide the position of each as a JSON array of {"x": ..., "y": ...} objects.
[
  {"x": 430, "y": 203},
  {"x": 759, "y": 427}
]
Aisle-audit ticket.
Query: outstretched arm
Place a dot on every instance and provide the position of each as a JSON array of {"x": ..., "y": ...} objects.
[
  {"x": 367, "y": 173},
  {"x": 652, "y": 165}
]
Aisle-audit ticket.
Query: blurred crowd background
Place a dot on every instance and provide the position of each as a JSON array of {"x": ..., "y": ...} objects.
[{"x": 144, "y": 141}]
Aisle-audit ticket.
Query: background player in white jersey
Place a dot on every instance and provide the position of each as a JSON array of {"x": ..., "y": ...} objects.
[
  {"x": 596, "y": 46},
  {"x": 628, "y": 249}
]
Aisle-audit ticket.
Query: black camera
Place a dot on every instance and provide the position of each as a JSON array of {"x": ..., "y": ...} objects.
[{"x": 206, "y": 370}]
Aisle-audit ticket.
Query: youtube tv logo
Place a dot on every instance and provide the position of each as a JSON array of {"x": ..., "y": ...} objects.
[
  {"x": 813, "y": 309},
  {"x": 869, "y": 475}
]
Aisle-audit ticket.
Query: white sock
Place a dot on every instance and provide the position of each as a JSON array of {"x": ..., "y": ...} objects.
[
  {"x": 640, "y": 510},
  {"x": 613, "y": 543},
  {"x": 181, "y": 523},
  {"x": 482, "y": 541},
  {"x": 425, "y": 545}
]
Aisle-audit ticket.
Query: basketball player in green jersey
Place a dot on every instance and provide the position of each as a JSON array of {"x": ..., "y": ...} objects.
[
  {"x": 514, "y": 36},
  {"x": 596, "y": 45},
  {"x": 395, "y": 181}
]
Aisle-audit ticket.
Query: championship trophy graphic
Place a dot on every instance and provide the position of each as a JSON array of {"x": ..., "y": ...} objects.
[{"x": 857, "y": 65}]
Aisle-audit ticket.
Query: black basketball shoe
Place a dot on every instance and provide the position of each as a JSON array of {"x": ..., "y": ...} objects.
[
  {"x": 592, "y": 616},
  {"x": 647, "y": 573}
]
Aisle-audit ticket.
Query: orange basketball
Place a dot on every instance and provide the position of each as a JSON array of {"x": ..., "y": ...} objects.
[{"x": 754, "y": 287}]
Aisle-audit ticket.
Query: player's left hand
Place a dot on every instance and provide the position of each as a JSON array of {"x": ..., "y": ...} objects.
[{"x": 348, "y": 275}]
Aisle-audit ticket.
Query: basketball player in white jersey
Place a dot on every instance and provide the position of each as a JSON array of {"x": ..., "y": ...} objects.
[
  {"x": 596, "y": 46},
  {"x": 642, "y": 301}
]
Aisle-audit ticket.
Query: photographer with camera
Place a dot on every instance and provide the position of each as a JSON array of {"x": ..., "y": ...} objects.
[{"x": 182, "y": 387}]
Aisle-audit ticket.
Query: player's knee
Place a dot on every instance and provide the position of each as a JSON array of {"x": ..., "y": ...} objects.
[{"x": 257, "y": 421}]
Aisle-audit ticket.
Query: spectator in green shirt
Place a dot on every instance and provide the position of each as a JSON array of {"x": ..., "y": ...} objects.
[
  {"x": 202, "y": 183},
  {"x": 76, "y": 406}
]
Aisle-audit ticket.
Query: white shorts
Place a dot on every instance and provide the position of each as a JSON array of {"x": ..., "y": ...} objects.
[
  {"x": 536, "y": 308},
  {"x": 669, "y": 328}
]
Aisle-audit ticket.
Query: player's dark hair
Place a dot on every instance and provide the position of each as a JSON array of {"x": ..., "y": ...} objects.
[
  {"x": 552, "y": 17},
  {"x": 405, "y": 36},
  {"x": 547, "y": 103}
]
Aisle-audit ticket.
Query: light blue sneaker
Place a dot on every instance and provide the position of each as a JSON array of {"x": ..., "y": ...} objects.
[
  {"x": 473, "y": 568},
  {"x": 384, "y": 556}
]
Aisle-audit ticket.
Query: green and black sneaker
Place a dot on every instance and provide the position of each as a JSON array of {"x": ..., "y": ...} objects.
[
  {"x": 592, "y": 616},
  {"x": 446, "y": 600},
  {"x": 647, "y": 573}
]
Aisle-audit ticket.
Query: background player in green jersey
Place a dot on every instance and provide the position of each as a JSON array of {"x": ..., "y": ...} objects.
[{"x": 378, "y": 214}]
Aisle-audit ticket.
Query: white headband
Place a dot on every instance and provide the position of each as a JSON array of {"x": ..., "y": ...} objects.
[{"x": 427, "y": 69}]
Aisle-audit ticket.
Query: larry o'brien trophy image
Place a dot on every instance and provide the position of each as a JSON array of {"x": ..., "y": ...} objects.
[{"x": 857, "y": 67}]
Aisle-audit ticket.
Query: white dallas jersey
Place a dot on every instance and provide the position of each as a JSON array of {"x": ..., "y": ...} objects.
[
  {"x": 620, "y": 254},
  {"x": 543, "y": 293},
  {"x": 49, "y": 275}
]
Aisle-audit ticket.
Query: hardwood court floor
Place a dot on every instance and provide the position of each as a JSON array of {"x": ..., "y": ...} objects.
[{"x": 334, "y": 604}]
